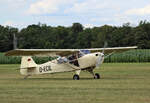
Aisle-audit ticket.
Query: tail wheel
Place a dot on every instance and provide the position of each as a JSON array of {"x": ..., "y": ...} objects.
[
  {"x": 76, "y": 77},
  {"x": 97, "y": 76}
]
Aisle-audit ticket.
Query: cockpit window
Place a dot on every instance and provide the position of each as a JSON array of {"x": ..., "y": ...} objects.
[{"x": 62, "y": 60}]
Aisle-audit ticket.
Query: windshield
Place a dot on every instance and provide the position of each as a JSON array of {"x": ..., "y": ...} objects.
[{"x": 85, "y": 51}]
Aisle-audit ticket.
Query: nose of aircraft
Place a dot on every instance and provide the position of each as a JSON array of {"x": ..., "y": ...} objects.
[{"x": 100, "y": 59}]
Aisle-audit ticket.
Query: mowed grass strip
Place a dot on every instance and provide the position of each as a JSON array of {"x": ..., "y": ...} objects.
[{"x": 120, "y": 83}]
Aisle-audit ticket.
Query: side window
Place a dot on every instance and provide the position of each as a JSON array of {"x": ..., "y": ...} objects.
[
  {"x": 73, "y": 60},
  {"x": 62, "y": 60}
]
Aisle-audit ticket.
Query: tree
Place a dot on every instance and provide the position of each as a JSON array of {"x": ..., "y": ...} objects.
[
  {"x": 142, "y": 35},
  {"x": 42, "y": 36},
  {"x": 101, "y": 35},
  {"x": 6, "y": 38},
  {"x": 77, "y": 27}
]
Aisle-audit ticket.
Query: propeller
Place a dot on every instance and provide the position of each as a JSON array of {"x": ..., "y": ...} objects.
[
  {"x": 109, "y": 54},
  {"x": 101, "y": 55},
  {"x": 100, "y": 59},
  {"x": 105, "y": 45}
]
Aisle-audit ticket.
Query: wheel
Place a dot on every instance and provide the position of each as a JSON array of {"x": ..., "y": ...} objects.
[
  {"x": 76, "y": 77},
  {"x": 97, "y": 76}
]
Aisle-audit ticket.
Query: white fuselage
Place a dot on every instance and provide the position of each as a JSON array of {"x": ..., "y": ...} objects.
[{"x": 28, "y": 67}]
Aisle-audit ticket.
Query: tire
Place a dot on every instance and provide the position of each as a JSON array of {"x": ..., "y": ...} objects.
[
  {"x": 97, "y": 76},
  {"x": 76, "y": 77}
]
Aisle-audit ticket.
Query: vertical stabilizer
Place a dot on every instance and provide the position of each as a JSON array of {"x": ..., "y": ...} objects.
[{"x": 27, "y": 62}]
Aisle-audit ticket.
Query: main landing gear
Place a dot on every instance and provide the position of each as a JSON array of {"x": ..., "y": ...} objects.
[
  {"x": 76, "y": 77},
  {"x": 95, "y": 75}
]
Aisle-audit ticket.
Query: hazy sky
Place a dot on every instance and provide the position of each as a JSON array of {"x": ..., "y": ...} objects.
[{"x": 20, "y": 13}]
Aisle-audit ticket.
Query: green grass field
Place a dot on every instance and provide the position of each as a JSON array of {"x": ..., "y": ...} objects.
[{"x": 120, "y": 83}]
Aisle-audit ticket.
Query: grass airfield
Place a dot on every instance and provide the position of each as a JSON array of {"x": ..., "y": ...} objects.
[{"x": 120, "y": 83}]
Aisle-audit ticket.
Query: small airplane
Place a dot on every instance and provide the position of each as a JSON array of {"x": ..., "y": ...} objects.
[{"x": 69, "y": 60}]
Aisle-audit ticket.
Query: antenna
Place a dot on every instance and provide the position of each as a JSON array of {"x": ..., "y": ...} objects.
[{"x": 15, "y": 41}]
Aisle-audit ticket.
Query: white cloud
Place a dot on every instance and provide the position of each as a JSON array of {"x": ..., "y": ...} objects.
[
  {"x": 101, "y": 19},
  {"x": 19, "y": 13},
  {"x": 12, "y": 0},
  {"x": 47, "y": 6},
  {"x": 88, "y": 26},
  {"x": 8, "y": 23},
  {"x": 139, "y": 11},
  {"x": 121, "y": 18},
  {"x": 15, "y": 24},
  {"x": 10, "y": 5},
  {"x": 88, "y": 6}
]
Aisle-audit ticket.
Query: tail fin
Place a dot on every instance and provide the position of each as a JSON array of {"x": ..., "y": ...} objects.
[{"x": 27, "y": 62}]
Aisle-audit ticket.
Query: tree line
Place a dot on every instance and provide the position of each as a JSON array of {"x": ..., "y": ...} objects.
[{"x": 42, "y": 36}]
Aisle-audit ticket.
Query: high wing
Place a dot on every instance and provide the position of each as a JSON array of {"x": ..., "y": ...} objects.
[
  {"x": 62, "y": 52},
  {"x": 41, "y": 52}
]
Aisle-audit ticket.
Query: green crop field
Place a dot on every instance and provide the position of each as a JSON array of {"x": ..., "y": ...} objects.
[{"x": 120, "y": 83}]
